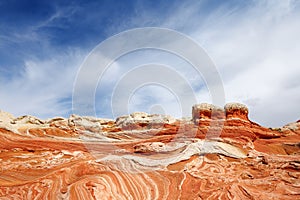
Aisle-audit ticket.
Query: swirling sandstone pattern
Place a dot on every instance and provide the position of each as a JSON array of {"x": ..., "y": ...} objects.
[{"x": 218, "y": 154}]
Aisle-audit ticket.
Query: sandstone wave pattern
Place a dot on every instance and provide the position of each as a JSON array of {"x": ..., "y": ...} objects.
[{"x": 218, "y": 153}]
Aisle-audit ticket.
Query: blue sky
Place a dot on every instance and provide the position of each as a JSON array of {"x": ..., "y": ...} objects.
[{"x": 254, "y": 45}]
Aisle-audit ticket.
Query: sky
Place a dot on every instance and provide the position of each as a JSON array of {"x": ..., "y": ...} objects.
[{"x": 254, "y": 45}]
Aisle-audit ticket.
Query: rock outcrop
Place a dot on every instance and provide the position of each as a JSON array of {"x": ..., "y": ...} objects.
[
  {"x": 140, "y": 120},
  {"x": 207, "y": 111},
  {"x": 236, "y": 110},
  {"x": 217, "y": 154}
]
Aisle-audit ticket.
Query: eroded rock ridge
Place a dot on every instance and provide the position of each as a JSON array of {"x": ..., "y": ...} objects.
[{"x": 216, "y": 154}]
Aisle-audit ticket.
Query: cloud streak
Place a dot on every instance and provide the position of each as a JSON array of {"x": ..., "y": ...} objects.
[
  {"x": 43, "y": 89},
  {"x": 256, "y": 54},
  {"x": 254, "y": 49},
  {"x": 253, "y": 44}
]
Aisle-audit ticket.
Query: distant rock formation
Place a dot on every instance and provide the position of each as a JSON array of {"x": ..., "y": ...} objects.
[
  {"x": 236, "y": 110},
  {"x": 219, "y": 153},
  {"x": 207, "y": 111},
  {"x": 138, "y": 120}
]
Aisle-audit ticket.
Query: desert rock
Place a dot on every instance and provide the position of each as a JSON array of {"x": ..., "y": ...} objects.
[{"x": 148, "y": 156}]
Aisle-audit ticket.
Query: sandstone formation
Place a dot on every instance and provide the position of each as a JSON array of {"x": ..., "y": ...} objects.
[
  {"x": 217, "y": 154},
  {"x": 138, "y": 120},
  {"x": 207, "y": 111},
  {"x": 236, "y": 110}
]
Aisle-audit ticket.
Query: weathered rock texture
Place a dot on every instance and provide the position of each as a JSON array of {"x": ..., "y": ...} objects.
[{"x": 217, "y": 154}]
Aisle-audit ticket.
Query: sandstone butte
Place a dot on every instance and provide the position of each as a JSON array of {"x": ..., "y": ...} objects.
[{"x": 217, "y": 154}]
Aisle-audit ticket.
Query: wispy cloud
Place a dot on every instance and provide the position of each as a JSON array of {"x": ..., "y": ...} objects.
[
  {"x": 44, "y": 87},
  {"x": 254, "y": 49},
  {"x": 253, "y": 44}
]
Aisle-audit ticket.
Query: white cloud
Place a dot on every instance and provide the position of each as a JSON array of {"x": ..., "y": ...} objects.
[
  {"x": 149, "y": 97},
  {"x": 255, "y": 48},
  {"x": 256, "y": 53},
  {"x": 146, "y": 78},
  {"x": 42, "y": 86}
]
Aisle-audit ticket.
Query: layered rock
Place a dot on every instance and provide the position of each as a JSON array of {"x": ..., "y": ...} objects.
[
  {"x": 236, "y": 110},
  {"x": 140, "y": 120},
  {"x": 207, "y": 111},
  {"x": 143, "y": 156}
]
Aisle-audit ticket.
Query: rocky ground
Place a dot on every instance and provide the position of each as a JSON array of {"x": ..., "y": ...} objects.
[{"x": 217, "y": 154}]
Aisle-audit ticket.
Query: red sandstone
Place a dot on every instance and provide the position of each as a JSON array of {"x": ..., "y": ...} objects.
[{"x": 218, "y": 154}]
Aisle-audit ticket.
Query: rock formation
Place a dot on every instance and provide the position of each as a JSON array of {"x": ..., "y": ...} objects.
[
  {"x": 236, "y": 110},
  {"x": 217, "y": 154},
  {"x": 139, "y": 120},
  {"x": 207, "y": 111}
]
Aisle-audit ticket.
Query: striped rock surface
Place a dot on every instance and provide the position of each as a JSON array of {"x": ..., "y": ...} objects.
[{"x": 217, "y": 154}]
